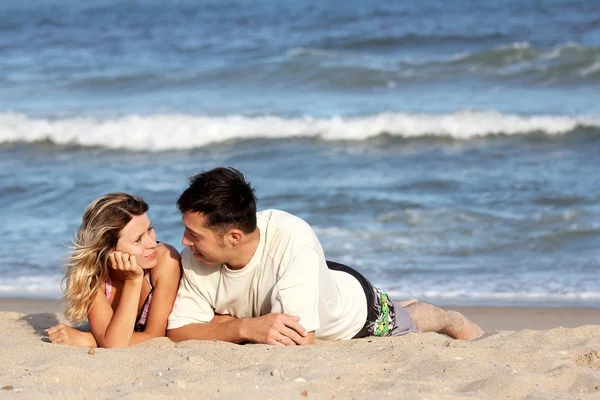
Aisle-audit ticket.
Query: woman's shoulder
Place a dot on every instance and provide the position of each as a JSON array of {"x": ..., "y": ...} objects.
[
  {"x": 163, "y": 248},
  {"x": 167, "y": 257}
]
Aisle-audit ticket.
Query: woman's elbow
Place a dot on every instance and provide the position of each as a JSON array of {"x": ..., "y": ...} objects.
[
  {"x": 155, "y": 334},
  {"x": 114, "y": 345},
  {"x": 113, "y": 342}
]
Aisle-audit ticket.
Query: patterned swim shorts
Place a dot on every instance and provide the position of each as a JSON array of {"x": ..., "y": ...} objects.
[{"x": 384, "y": 318}]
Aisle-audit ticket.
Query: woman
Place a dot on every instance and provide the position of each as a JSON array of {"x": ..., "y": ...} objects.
[{"x": 118, "y": 276}]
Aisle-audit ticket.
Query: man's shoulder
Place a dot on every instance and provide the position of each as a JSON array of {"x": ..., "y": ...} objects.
[
  {"x": 188, "y": 261},
  {"x": 193, "y": 265},
  {"x": 287, "y": 231},
  {"x": 281, "y": 220}
]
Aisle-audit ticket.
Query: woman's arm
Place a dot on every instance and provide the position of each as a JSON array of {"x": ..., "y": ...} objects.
[
  {"x": 165, "y": 277},
  {"x": 115, "y": 329},
  {"x": 65, "y": 334}
]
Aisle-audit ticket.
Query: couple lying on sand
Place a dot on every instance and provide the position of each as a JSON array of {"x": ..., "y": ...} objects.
[{"x": 248, "y": 276}]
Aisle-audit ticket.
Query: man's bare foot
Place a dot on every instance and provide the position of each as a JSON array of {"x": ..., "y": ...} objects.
[
  {"x": 406, "y": 303},
  {"x": 462, "y": 328},
  {"x": 431, "y": 318}
]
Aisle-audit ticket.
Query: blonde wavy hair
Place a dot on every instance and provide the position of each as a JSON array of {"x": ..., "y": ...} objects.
[{"x": 87, "y": 266}]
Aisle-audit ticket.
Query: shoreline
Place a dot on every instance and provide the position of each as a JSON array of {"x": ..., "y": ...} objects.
[{"x": 503, "y": 318}]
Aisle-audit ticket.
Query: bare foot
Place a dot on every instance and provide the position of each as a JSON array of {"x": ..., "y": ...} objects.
[
  {"x": 406, "y": 303},
  {"x": 462, "y": 328}
]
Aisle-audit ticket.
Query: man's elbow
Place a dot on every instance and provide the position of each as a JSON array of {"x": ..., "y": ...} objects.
[
  {"x": 175, "y": 335},
  {"x": 309, "y": 339}
]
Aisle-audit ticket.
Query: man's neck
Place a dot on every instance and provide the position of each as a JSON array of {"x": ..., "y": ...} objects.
[{"x": 244, "y": 251}]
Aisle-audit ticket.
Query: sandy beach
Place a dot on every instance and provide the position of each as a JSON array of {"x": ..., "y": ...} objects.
[{"x": 534, "y": 353}]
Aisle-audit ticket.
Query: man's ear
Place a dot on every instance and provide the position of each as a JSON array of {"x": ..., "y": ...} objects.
[{"x": 235, "y": 236}]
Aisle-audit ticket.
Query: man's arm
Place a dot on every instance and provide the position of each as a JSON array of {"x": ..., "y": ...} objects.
[
  {"x": 268, "y": 329},
  {"x": 298, "y": 290},
  {"x": 309, "y": 339}
]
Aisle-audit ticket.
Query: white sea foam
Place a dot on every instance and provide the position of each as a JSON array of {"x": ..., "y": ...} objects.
[
  {"x": 590, "y": 70},
  {"x": 333, "y": 231},
  {"x": 517, "y": 46},
  {"x": 162, "y": 132},
  {"x": 47, "y": 287},
  {"x": 458, "y": 297}
]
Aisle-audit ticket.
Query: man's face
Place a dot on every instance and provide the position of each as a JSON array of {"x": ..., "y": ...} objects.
[{"x": 207, "y": 245}]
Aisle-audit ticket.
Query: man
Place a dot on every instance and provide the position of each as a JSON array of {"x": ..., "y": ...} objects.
[{"x": 262, "y": 278}]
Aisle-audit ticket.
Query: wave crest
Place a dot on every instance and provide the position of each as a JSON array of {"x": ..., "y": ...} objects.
[{"x": 164, "y": 132}]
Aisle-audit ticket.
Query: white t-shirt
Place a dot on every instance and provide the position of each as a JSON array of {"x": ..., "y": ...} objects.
[{"x": 287, "y": 274}]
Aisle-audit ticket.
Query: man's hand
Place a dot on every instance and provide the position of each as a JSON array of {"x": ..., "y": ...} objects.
[
  {"x": 276, "y": 329},
  {"x": 64, "y": 334}
]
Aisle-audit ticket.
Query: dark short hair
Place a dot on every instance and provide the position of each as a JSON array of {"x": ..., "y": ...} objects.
[{"x": 224, "y": 197}]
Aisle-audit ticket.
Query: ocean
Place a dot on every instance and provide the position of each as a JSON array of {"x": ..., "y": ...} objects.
[{"x": 448, "y": 150}]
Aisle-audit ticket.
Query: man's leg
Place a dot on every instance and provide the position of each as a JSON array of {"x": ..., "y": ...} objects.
[{"x": 430, "y": 318}]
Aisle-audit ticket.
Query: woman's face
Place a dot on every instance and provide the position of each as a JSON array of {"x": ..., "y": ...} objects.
[{"x": 138, "y": 239}]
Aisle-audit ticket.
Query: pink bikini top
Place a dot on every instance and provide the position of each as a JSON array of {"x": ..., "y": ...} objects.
[{"x": 140, "y": 323}]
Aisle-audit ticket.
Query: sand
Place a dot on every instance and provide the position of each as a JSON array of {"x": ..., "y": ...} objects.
[{"x": 532, "y": 353}]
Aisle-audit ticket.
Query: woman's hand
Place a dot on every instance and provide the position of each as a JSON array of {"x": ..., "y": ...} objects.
[
  {"x": 64, "y": 334},
  {"x": 126, "y": 265}
]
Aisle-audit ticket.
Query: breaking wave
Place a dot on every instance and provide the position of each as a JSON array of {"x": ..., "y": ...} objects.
[{"x": 165, "y": 132}]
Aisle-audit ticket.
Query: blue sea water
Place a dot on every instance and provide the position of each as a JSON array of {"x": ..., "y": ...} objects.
[{"x": 447, "y": 149}]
